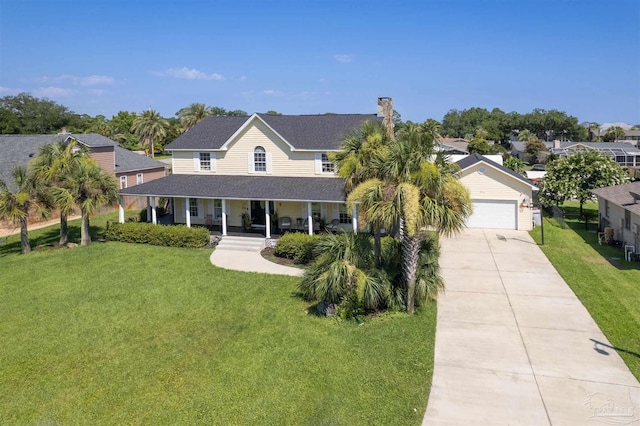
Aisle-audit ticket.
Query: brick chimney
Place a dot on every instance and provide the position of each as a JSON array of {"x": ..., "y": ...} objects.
[
  {"x": 556, "y": 144},
  {"x": 63, "y": 131},
  {"x": 385, "y": 109}
]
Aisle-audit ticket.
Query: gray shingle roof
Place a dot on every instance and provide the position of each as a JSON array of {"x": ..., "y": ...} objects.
[
  {"x": 474, "y": 158},
  {"x": 127, "y": 161},
  {"x": 275, "y": 188},
  {"x": 210, "y": 133},
  {"x": 93, "y": 140},
  {"x": 311, "y": 132},
  {"x": 620, "y": 195}
]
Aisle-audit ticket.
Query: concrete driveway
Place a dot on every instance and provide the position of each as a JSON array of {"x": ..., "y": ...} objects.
[{"x": 515, "y": 346}]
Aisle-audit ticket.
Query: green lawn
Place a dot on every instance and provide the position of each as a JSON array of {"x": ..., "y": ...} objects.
[
  {"x": 608, "y": 286},
  {"x": 117, "y": 333}
]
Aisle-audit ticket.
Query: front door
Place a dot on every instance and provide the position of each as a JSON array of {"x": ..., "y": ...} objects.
[{"x": 257, "y": 211}]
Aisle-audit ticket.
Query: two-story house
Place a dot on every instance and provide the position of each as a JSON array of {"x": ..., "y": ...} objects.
[{"x": 242, "y": 171}]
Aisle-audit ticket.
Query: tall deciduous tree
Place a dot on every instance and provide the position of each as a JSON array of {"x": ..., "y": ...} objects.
[
  {"x": 88, "y": 187},
  {"x": 150, "y": 127},
  {"x": 534, "y": 148},
  {"x": 575, "y": 176},
  {"x": 18, "y": 199}
]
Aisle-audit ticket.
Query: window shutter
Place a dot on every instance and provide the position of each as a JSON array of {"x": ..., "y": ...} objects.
[
  {"x": 269, "y": 167},
  {"x": 196, "y": 161},
  {"x": 250, "y": 162},
  {"x": 213, "y": 161},
  {"x": 318, "y": 163}
]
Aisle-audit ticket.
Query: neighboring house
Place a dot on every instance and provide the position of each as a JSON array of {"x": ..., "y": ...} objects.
[
  {"x": 619, "y": 208},
  {"x": 127, "y": 167},
  {"x": 501, "y": 198},
  {"x": 623, "y": 153},
  {"x": 245, "y": 171},
  {"x": 454, "y": 145}
]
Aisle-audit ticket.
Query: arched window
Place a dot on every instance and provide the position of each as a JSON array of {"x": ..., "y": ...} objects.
[{"x": 259, "y": 159}]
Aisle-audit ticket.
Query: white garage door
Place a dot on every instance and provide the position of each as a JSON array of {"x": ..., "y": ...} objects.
[{"x": 499, "y": 214}]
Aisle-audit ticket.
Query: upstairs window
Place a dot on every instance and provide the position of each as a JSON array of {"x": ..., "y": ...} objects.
[
  {"x": 205, "y": 161},
  {"x": 123, "y": 182},
  {"x": 139, "y": 179},
  {"x": 327, "y": 166},
  {"x": 259, "y": 159}
]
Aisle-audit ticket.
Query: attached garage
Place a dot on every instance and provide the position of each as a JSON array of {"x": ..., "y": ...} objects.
[
  {"x": 502, "y": 199},
  {"x": 498, "y": 214}
]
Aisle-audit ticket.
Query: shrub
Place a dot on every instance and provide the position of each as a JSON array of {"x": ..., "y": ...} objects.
[
  {"x": 146, "y": 233},
  {"x": 297, "y": 246}
]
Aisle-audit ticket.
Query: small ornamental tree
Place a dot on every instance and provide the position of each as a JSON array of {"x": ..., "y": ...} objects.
[
  {"x": 515, "y": 164},
  {"x": 575, "y": 176},
  {"x": 533, "y": 149},
  {"x": 478, "y": 145}
]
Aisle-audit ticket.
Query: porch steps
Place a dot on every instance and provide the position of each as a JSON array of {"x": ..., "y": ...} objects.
[{"x": 241, "y": 244}]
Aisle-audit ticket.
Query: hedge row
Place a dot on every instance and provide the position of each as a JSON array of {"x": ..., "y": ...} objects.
[
  {"x": 158, "y": 235},
  {"x": 296, "y": 246}
]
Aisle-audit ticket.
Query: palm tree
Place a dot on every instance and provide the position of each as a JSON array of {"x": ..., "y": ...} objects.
[
  {"x": 53, "y": 164},
  {"x": 433, "y": 128},
  {"x": 615, "y": 133},
  {"x": 192, "y": 115},
  {"x": 526, "y": 136},
  {"x": 88, "y": 187},
  {"x": 345, "y": 273},
  {"x": 150, "y": 127},
  {"x": 419, "y": 194},
  {"x": 361, "y": 158},
  {"x": 17, "y": 200}
]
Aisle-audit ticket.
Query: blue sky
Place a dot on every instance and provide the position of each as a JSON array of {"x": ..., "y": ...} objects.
[{"x": 308, "y": 57}]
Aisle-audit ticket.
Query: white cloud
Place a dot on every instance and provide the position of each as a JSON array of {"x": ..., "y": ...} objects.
[
  {"x": 343, "y": 58},
  {"x": 96, "y": 80},
  {"x": 52, "y": 92},
  {"x": 91, "y": 80},
  {"x": 10, "y": 91},
  {"x": 97, "y": 92},
  {"x": 188, "y": 74},
  {"x": 272, "y": 92}
]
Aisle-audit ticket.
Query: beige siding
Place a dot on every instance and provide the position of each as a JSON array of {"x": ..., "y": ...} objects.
[
  {"x": 616, "y": 219},
  {"x": 234, "y": 161},
  {"x": 106, "y": 158},
  {"x": 147, "y": 176},
  {"x": 496, "y": 185}
]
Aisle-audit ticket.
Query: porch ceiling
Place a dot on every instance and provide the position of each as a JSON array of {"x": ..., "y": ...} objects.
[{"x": 277, "y": 188}]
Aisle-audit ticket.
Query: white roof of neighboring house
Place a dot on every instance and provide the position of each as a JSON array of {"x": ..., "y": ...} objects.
[{"x": 535, "y": 174}]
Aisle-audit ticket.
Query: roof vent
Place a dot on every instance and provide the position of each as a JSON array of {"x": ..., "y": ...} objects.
[{"x": 31, "y": 155}]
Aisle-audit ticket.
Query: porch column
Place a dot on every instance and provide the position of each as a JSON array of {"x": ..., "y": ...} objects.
[
  {"x": 224, "y": 217},
  {"x": 267, "y": 220},
  {"x": 354, "y": 219},
  {"x": 154, "y": 211},
  {"x": 309, "y": 218},
  {"x": 187, "y": 212},
  {"x": 121, "y": 209},
  {"x": 148, "y": 210}
]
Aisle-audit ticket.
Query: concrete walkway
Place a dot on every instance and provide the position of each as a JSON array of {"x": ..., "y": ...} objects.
[
  {"x": 250, "y": 261},
  {"x": 515, "y": 346}
]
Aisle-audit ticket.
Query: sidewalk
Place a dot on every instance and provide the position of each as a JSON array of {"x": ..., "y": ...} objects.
[
  {"x": 248, "y": 261},
  {"x": 514, "y": 345}
]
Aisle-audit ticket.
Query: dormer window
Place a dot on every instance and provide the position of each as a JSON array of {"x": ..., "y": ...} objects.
[
  {"x": 327, "y": 166},
  {"x": 259, "y": 159}
]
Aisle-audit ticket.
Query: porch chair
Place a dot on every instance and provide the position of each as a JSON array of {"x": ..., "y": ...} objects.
[
  {"x": 284, "y": 223},
  {"x": 332, "y": 226}
]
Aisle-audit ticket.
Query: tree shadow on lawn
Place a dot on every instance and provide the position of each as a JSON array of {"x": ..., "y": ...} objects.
[
  {"x": 47, "y": 237},
  {"x": 612, "y": 254}
]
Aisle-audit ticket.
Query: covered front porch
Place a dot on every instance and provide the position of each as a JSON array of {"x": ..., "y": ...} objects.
[{"x": 264, "y": 205}]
